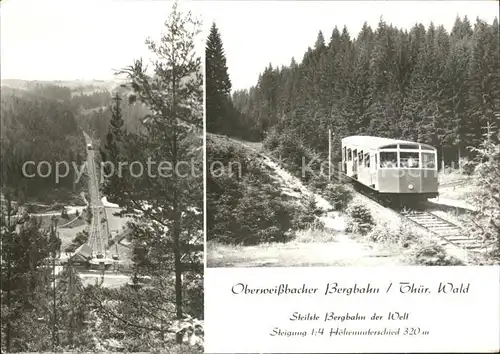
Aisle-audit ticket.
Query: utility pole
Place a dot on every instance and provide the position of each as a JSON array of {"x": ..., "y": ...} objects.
[
  {"x": 329, "y": 154},
  {"x": 72, "y": 323},
  {"x": 442, "y": 158},
  {"x": 73, "y": 179},
  {"x": 457, "y": 143},
  {"x": 116, "y": 252},
  {"x": 53, "y": 244}
]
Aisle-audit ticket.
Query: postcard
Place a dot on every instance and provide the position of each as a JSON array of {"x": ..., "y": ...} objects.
[{"x": 250, "y": 176}]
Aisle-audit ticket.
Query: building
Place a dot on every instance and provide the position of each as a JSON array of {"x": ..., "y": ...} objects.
[{"x": 81, "y": 256}]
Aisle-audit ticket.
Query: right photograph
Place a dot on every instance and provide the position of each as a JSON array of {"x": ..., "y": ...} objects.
[{"x": 353, "y": 135}]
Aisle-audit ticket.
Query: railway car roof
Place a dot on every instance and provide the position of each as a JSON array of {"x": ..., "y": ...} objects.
[{"x": 374, "y": 142}]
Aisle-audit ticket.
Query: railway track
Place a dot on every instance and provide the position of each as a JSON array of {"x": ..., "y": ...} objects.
[
  {"x": 99, "y": 230},
  {"x": 446, "y": 231}
]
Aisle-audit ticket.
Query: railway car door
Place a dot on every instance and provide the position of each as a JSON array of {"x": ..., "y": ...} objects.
[
  {"x": 349, "y": 162},
  {"x": 373, "y": 170},
  {"x": 354, "y": 162},
  {"x": 344, "y": 160}
]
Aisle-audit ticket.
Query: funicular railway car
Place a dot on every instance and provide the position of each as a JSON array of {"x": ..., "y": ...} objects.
[{"x": 395, "y": 169}]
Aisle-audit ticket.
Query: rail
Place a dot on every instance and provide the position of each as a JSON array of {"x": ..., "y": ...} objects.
[
  {"x": 445, "y": 230},
  {"x": 97, "y": 241}
]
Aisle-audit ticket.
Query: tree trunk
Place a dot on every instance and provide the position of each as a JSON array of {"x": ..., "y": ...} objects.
[
  {"x": 177, "y": 215},
  {"x": 54, "y": 325},
  {"x": 8, "y": 328}
]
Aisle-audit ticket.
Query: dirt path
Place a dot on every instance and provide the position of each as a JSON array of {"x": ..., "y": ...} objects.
[{"x": 342, "y": 251}]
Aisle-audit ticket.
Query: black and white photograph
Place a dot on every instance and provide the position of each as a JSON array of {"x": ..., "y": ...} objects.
[
  {"x": 361, "y": 133},
  {"x": 324, "y": 174},
  {"x": 102, "y": 176}
]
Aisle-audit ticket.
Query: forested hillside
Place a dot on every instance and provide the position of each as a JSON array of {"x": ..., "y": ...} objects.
[
  {"x": 44, "y": 122},
  {"x": 245, "y": 201},
  {"x": 36, "y": 129},
  {"x": 420, "y": 84}
]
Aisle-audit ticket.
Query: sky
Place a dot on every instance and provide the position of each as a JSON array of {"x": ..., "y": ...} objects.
[
  {"x": 256, "y": 33},
  {"x": 86, "y": 39},
  {"x": 77, "y": 39}
]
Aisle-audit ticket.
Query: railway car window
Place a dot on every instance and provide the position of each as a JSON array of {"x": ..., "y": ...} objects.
[
  {"x": 360, "y": 157},
  {"x": 408, "y": 146},
  {"x": 425, "y": 147},
  {"x": 408, "y": 159},
  {"x": 367, "y": 160},
  {"x": 428, "y": 160},
  {"x": 355, "y": 155},
  {"x": 349, "y": 155},
  {"x": 388, "y": 159},
  {"x": 391, "y": 147}
]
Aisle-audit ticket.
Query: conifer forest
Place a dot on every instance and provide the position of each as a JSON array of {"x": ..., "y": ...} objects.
[{"x": 423, "y": 84}]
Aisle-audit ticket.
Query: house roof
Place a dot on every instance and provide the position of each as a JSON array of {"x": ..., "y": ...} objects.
[
  {"x": 84, "y": 250},
  {"x": 373, "y": 142}
]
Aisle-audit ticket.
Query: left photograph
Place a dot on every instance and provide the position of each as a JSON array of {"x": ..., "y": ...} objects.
[{"x": 102, "y": 154}]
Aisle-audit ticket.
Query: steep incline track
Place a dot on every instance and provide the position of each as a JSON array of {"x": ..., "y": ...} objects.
[
  {"x": 446, "y": 230},
  {"x": 98, "y": 235}
]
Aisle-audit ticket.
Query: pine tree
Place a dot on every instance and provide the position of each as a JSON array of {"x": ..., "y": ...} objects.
[
  {"x": 487, "y": 197},
  {"x": 454, "y": 92},
  {"x": 218, "y": 84},
  {"x": 168, "y": 204},
  {"x": 112, "y": 154},
  {"x": 73, "y": 307},
  {"x": 25, "y": 247},
  {"x": 484, "y": 78},
  {"x": 361, "y": 76}
]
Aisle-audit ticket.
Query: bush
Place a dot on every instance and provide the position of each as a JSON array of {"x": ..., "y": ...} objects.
[
  {"x": 308, "y": 216},
  {"x": 434, "y": 254},
  {"x": 272, "y": 141},
  {"x": 294, "y": 154},
  {"x": 404, "y": 236},
  {"x": 247, "y": 214},
  {"x": 381, "y": 234},
  {"x": 245, "y": 209},
  {"x": 360, "y": 220},
  {"x": 338, "y": 195},
  {"x": 485, "y": 197},
  {"x": 320, "y": 183},
  {"x": 468, "y": 167}
]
